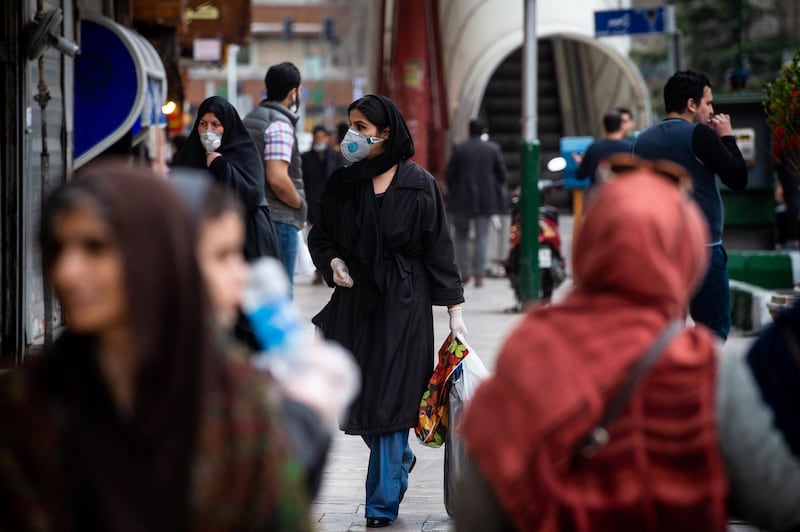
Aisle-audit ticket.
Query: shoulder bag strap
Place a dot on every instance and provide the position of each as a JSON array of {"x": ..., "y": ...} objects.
[{"x": 598, "y": 436}]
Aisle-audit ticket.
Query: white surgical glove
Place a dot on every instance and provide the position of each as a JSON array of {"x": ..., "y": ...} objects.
[
  {"x": 341, "y": 275},
  {"x": 456, "y": 321}
]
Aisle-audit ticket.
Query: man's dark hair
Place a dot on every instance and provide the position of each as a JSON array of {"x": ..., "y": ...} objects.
[
  {"x": 476, "y": 128},
  {"x": 280, "y": 79},
  {"x": 612, "y": 121},
  {"x": 682, "y": 86},
  {"x": 624, "y": 111},
  {"x": 319, "y": 128}
]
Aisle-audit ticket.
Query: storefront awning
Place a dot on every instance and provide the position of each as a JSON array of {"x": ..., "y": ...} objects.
[{"x": 120, "y": 85}]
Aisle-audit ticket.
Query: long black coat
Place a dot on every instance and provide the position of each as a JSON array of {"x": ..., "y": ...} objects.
[
  {"x": 386, "y": 319},
  {"x": 476, "y": 179}
]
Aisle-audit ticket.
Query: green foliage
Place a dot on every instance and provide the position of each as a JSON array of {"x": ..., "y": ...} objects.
[
  {"x": 719, "y": 37},
  {"x": 782, "y": 106}
]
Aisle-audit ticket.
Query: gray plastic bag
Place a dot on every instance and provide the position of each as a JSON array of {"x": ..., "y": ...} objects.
[{"x": 465, "y": 380}]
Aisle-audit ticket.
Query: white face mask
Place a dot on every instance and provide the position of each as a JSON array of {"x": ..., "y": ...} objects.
[
  {"x": 484, "y": 137},
  {"x": 320, "y": 146},
  {"x": 355, "y": 146},
  {"x": 211, "y": 140}
]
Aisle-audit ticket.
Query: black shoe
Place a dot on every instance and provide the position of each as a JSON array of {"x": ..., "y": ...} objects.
[{"x": 378, "y": 522}]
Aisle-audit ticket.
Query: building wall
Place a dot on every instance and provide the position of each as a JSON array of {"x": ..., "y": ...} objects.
[
  {"x": 333, "y": 71},
  {"x": 40, "y": 175},
  {"x": 27, "y": 175}
]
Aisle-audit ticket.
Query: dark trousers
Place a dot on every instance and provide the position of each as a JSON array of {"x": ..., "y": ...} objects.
[{"x": 711, "y": 304}]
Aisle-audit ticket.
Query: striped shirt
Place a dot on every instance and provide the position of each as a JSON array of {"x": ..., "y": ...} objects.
[{"x": 278, "y": 142}]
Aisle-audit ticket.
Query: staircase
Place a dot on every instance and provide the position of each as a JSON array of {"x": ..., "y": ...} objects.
[{"x": 501, "y": 108}]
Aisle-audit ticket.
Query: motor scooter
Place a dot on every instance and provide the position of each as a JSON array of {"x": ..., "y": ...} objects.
[{"x": 552, "y": 264}]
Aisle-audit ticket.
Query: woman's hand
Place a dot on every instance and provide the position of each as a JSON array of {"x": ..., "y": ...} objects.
[
  {"x": 341, "y": 274},
  {"x": 456, "y": 321},
  {"x": 211, "y": 156}
]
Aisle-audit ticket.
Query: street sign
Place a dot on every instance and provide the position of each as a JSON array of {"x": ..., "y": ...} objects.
[{"x": 634, "y": 21}]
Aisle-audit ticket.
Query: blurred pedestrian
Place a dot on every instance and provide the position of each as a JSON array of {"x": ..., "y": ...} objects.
[
  {"x": 133, "y": 419},
  {"x": 613, "y": 141},
  {"x": 318, "y": 164},
  {"x": 760, "y": 426},
  {"x": 703, "y": 143},
  {"x": 272, "y": 128},
  {"x": 659, "y": 452},
  {"x": 628, "y": 124},
  {"x": 219, "y": 143},
  {"x": 176, "y": 143},
  {"x": 305, "y": 408},
  {"x": 382, "y": 242},
  {"x": 788, "y": 222},
  {"x": 562, "y": 371},
  {"x": 476, "y": 190}
]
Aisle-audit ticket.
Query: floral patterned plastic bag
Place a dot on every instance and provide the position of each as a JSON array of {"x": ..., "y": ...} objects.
[{"x": 433, "y": 411}]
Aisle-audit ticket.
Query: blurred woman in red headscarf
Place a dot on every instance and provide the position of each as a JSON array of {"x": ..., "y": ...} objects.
[
  {"x": 640, "y": 254},
  {"x": 694, "y": 427}
]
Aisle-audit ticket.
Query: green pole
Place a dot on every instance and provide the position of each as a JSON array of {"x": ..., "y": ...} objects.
[
  {"x": 530, "y": 276},
  {"x": 530, "y": 279}
]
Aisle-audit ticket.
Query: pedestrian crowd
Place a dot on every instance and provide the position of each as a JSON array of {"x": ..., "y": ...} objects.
[{"x": 605, "y": 412}]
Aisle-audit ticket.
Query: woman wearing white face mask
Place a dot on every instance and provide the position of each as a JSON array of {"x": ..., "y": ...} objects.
[
  {"x": 220, "y": 143},
  {"x": 382, "y": 241}
]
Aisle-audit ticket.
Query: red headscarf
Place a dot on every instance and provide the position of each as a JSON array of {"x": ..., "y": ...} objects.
[{"x": 640, "y": 254}]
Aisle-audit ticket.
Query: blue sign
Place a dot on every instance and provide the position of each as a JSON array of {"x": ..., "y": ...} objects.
[
  {"x": 119, "y": 83},
  {"x": 634, "y": 21},
  {"x": 571, "y": 146}
]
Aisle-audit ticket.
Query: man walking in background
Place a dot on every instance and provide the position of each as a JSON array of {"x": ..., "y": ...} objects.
[
  {"x": 703, "y": 143},
  {"x": 628, "y": 124},
  {"x": 476, "y": 181},
  {"x": 272, "y": 127},
  {"x": 318, "y": 164},
  {"x": 613, "y": 141}
]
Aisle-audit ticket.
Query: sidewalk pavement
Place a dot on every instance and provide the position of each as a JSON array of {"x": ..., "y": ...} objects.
[{"x": 340, "y": 504}]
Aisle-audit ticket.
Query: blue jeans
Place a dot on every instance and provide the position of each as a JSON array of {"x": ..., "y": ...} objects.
[
  {"x": 390, "y": 459},
  {"x": 711, "y": 304},
  {"x": 287, "y": 237}
]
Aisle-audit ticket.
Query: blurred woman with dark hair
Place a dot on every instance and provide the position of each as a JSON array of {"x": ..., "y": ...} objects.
[{"x": 134, "y": 420}]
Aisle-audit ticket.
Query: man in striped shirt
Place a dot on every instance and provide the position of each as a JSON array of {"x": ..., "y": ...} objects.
[{"x": 272, "y": 127}]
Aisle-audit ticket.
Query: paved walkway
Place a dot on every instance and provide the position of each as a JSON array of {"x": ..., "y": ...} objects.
[{"x": 340, "y": 504}]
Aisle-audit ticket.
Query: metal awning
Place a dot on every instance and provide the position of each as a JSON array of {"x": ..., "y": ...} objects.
[{"x": 120, "y": 85}]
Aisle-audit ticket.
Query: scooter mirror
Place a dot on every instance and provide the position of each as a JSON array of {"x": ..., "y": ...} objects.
[{"x": 556, "y": 164}]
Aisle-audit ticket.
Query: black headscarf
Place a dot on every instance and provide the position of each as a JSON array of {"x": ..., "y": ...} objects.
[
  {"x": 360, "y": 227},
  {"x": 237, "y": 148},
  {"x": 398, "y": 146},
  {"x": 775, "y": 362}
]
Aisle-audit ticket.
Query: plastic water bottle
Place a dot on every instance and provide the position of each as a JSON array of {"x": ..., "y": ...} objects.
[
  {"x": 272, "y": 315},
  {"x": 319, "y": 373}
]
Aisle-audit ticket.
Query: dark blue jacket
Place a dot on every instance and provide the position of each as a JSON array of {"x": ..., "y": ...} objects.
[{"x": 705, "y": 155}]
